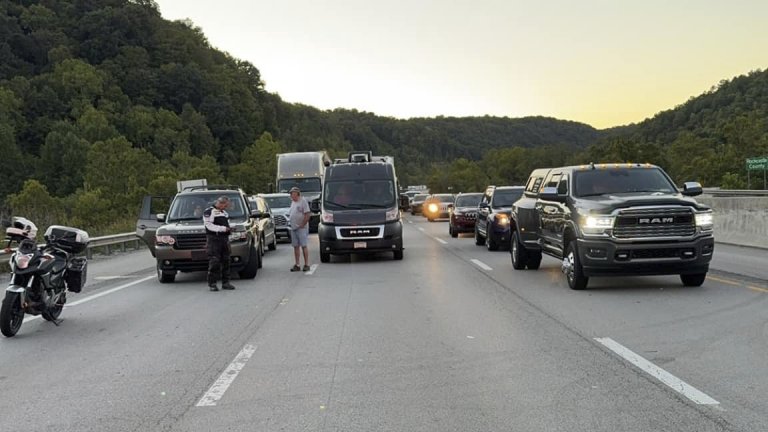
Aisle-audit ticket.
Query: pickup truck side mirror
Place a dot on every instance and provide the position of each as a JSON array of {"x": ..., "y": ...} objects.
[
  {"x": 550, "y": 194},
  {"x": 692, "y": 189},
  {"x": 160, "y": 217}
]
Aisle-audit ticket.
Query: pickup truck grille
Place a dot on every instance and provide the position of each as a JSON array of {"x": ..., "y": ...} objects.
[
  {"x": 280, "y": 220},
  {"x": 190, "y": 241},
  {"x": 655, "y": 222}
]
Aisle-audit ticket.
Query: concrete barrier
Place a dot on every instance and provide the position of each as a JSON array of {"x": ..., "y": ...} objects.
[{"x": 739, "y": 220}]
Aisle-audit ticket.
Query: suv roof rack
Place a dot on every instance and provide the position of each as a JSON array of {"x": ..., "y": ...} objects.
[{"x": 211, "y": 187}]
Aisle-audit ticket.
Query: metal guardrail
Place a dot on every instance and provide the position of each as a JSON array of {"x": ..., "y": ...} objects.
[
  {"x": 106, "y": 244},
  {"x": 735, "y": 192}
]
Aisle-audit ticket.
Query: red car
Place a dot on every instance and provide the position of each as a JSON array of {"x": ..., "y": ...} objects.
[{"x": 464, "y": 213}]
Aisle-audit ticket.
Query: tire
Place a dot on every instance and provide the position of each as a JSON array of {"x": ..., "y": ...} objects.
[
  {"x": 693, "y": 280},
  {"x": 325, "y": 257},
  {"x": 517, "y": 252},
  {"x": 165, "y": 276},
  {"x": 491, "y": 244},
  {"x": 54, "y": 313},
  {"x": 453, "y": 233},
  {"x": 479, "y": 240},
  {"x": 261, "y": 246},
  {"x": 534, "y": 260},
  {"x": 430, "y": 219},
  {"x": 252, "y": 268},
  {"x": 11, "y": 314},
  {"x": 398, "y": 254},
  {"x": 575, "y": 274},
  {"x": 272, "y": 246}
]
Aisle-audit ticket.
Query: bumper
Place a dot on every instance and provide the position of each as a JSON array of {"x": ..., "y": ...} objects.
[
  {"x": 499, "y": 233},
  {"x": 438, "y": 215},
  {"x": 462, "y": 226},
  {"x": 392, "y": 240},
  {"x": 416, "y": 208},
  {"x": 604, "y": 257},
  {"x": 171, "y": 259},
  {"x": 283, "y": 232}
]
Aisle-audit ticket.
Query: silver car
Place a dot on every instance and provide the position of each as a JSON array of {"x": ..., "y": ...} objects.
[{"x": 279, "y": 203}]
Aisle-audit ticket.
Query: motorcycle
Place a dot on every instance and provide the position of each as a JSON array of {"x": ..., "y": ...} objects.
[{"x": 41, "y": 275}]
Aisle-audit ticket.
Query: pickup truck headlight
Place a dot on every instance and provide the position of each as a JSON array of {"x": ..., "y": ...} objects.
[
  {"x": 393, "y": 215},
  {"x": 164, "y": 240},
  {"x": 705, "y": 221},
  {"x": 597, "y": 224},
  {"x": 238, "y": 236}
]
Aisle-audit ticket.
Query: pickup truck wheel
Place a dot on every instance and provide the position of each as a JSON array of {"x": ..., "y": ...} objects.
[
  {"x": 491, "y": 244},
  {"x": 398, "y": 254},
  {"x": 479, "y": 240},
  {"x": 572, "y": 268},
  {"x": 534, "y": 260},
  {"x": 325, "y": 257},
  {"x": 517, "y": 252},
  {"x": 165, "y": 276},
  {"x": 693, "y": 280}
]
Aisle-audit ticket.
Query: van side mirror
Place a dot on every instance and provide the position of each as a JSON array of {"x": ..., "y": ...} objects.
[
  {"x": 692, "y": 189},
  {"x": 550, "y": 194}
]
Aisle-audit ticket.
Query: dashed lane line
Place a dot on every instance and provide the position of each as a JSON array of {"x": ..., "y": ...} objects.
[
  {"x": 660, "y": 374},
  {"x": 481, "y": 264},
  {"x": 312, "y": 269},
  {"x": 441, "y": 240},
  {"x": 220, "y": 386}
]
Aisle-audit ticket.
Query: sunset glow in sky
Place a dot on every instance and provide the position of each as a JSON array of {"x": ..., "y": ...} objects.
[{"x": 601, "y": 62}]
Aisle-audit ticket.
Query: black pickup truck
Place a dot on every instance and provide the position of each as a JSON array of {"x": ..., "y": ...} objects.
[{"x": 612, "y": 219}]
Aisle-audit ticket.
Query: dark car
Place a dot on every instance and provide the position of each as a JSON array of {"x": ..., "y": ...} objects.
[
  {"x": 438, "y": 206},
  {"x": 265, "y": 220},
  {"x": 493, "y": 213},
  {"x": 612, "y": 219},
  {"x": 464, "y": 213},
  {"x": 417, "y": 203}
]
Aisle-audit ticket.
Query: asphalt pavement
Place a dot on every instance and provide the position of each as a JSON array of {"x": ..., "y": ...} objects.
[{"x": 449, "y": 339}]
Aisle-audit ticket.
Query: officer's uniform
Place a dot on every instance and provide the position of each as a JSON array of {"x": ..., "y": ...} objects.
[{"x": 217, "y": 234}]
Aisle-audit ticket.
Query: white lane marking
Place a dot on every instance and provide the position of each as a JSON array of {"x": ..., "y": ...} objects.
[
  {"x": 227, "y": 377},
  {"x": 441, "y": 240},
  {"x": 421, "y": 229},
  {"x": 95, "y": 296},
  {"x": 481, "y": 264},
  {"x": 312, "y": 269},
  {"x": 410, "y": 222},
  {"x": 660, "y": 374},
  {"x": 105, "y": 278}
]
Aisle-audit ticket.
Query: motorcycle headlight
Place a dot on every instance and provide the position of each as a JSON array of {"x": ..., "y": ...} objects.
[
  {"x": 705, "y": 221},
  {"x": 597, "y": 224},
  {"x": 22, "y": 261},
  {"x": 238, "y": 236},
  {"x": 393, "y": 215},
  {"x": 164, "y": 240}
]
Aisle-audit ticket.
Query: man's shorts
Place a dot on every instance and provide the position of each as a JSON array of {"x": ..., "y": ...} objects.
[{"x": 299, "y": 237}]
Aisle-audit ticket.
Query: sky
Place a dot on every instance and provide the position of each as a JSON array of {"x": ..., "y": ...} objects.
[{"x": 601, "y": 62}]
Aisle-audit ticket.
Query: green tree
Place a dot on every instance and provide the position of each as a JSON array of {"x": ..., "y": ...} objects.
[
  {"x": 35, "y": 203},
  {"x": 258, "y": 165}
]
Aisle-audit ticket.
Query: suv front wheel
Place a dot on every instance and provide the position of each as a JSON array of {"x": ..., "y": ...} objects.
[
  {"x": 165, "y": 276},
  {"x": 479, "y": 240}
]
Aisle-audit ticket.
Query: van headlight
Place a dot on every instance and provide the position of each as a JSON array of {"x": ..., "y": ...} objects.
[
  {"x": 597, "y": 224},
  {"x": 327, "y": 217},
  {"x": 393, "y": 215},
  {"x": 705, "y": 220}
]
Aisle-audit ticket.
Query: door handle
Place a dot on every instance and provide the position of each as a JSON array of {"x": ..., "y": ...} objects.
[{"x": 142, "y": 227}]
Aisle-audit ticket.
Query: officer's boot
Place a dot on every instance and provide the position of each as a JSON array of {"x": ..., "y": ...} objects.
[{"x": 212, "y": 283}]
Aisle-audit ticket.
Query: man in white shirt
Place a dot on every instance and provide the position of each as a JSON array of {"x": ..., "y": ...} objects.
[{"x": 298, "y": 218}]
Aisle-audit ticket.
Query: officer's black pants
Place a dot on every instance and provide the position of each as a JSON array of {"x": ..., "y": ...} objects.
[{"x": 218, "y": 258}]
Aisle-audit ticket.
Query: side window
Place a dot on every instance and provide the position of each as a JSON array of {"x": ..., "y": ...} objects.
[
  {"x": 534, "y": 183},
  {"x": 562, "y": 187}
]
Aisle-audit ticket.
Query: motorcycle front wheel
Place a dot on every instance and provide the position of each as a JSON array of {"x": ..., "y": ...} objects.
[{"x": 11, "y": 314}]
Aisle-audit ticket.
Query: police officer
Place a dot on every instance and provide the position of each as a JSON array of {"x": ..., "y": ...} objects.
[{"x": 217, "y": 230}]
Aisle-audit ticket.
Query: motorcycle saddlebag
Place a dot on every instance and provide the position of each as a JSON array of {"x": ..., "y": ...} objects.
[
  {"x": 72, "y": 240},
  {"x": 75, "y": 274}
]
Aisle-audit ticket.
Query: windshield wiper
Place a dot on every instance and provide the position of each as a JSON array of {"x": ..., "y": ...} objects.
[
  {"x": 344, "y": 206},
  {"x": 594, "y": 194},
  {"x": 200, "y": 218},
  {"x": 372, "y": 205}
]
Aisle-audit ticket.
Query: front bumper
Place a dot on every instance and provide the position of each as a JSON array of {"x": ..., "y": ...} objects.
[
  {"x": 603, "y": 257},
  {"x": 460, "y": 225},
  {"x": 282, "y": 232},
  {"x": 391, "y": 240},
  {"x": 189, "y": 260},
  {"x": 499, "y": 233}
]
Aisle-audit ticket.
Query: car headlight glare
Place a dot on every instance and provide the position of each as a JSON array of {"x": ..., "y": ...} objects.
[
  {"x": 502, "y": 219},
  {"x": 705, "y": 220},
  {"x": 433, "y": 208}
]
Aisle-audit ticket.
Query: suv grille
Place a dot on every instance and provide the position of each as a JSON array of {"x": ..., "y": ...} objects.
[
  {"x": 191, "y": 241},
  {"x": 280, "y": 220},
  {"x": 655, "y": 222},
  {"x": 467, "y": 216}
]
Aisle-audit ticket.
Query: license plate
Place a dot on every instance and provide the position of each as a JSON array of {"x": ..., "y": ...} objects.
[
  {"x": 199, "y": 255},
  {"x": 360, "y": 245}
]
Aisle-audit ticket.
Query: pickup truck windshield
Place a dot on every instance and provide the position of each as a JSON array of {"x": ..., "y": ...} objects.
[
  {"x": 621, "y": 180},
  {"x": 191, "y": 207},
  {"x": 311, "y": 184},
  {"x": 359, "y": 194},
  {"x": 505, "y": 198}
]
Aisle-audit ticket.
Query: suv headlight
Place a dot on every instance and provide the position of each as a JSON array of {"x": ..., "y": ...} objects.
[
  {"x": 501, "y": 219},
  {"x": 393, "y": 215},
  {"x": 238, "y": 236},
  {"x": 433, "y": 208},
  {"x": 164, "y": 240},
  {"x": 705, "y": 221},
  {"x": 597, "y": 224}
]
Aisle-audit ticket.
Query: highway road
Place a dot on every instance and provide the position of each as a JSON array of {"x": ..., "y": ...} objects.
[{"x": 449, "y": 339}]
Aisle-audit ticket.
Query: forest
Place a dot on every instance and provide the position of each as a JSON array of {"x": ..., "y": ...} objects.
[{"x": 104, "y": 101}]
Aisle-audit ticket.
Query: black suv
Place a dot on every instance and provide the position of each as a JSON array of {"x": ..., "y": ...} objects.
[
  {"x": 612, "y": 219},
  {"x": 492, "y": 225}
]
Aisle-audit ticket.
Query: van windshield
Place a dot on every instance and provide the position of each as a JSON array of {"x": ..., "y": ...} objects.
[
  {"x": 311, "y": 184},
  {"x": 359, "y": 194},
  {"x": 191, "y": 207}
]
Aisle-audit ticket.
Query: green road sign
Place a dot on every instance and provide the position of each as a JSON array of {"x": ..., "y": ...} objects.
[{"x": 757, "y": 163}]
